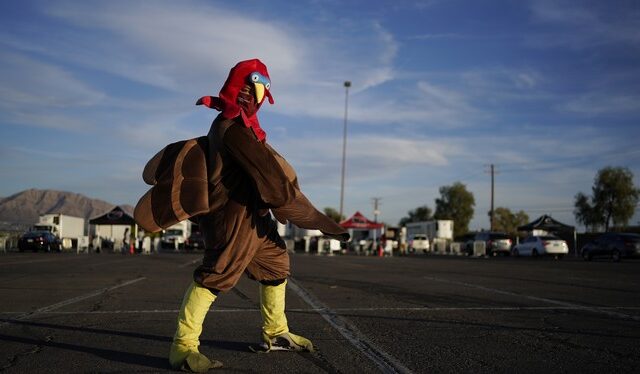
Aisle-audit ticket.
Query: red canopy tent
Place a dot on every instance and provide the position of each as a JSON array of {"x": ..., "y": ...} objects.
[{"x": 360, "y": 222}]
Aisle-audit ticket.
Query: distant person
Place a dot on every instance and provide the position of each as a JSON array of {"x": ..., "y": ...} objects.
[
  {"x": 228, "y": 181},
  {"x": 383, "y": 243},
  {"x": 125, "y": 241},
  {"x": 403, "y": 248}
]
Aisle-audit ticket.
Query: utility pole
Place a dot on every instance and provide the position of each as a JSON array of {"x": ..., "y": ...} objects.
[
  {"x": 376, "y": 212},
  {"x": 375, "y": 219},
  {"x": 491, "y": 211}
]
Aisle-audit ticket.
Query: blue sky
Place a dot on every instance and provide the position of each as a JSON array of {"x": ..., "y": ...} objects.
[{"x": 547, "y": 91}]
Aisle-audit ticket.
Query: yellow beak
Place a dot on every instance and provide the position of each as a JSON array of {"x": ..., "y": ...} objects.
[{"x": 259, "y": 92}]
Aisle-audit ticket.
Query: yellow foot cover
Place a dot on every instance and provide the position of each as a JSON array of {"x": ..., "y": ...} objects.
[
  {"x": 287, "y": 342},
  {"x": 184, "y": 354},
  {"x": 275, "y": 329},
  {"x": 186, "y": 359}
]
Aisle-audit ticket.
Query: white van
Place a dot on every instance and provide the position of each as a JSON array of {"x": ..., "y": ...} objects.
[{"x": 419, "y": 244}]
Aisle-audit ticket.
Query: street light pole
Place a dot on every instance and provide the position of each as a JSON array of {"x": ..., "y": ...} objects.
[
  {"x": 492, "y": 212},
  {"x": 347, "y": 84}
]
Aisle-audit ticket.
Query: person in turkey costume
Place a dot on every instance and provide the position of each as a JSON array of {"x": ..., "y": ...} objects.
[{"x": 228, "y": 182}]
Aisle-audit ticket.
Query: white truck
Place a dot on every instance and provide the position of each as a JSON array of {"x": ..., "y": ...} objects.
[
  {"x": 176, "y": 236},
  {"x": 69, "y": 229},
  {"x": 434, "y": 232}
]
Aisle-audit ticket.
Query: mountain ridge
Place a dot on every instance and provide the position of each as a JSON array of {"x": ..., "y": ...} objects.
[{"x": 24, "y": 207}]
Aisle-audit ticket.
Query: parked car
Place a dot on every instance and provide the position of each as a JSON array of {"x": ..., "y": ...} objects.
[
  {"x": 173, "y": 238},
  {"x": 39, "y": 240},
  {"x": 331, "y": 246},
  {"x": 495, "y": 243},
  {"x": 541, "y": 246},
  {"x": 419, "y": 244},
  {"x": 195, "y": 241},
  {"x": 613, "y": 245}
]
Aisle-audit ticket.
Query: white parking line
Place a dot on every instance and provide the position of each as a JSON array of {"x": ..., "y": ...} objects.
[
  {"x": 566, "y": 304},
  {"x": 65, "y": 258},
  {"x": 51, "y": 307},
  {"x": 348, "y": 310},
  {"x": 190, "y": 263},
  {"x": 384, "y": 361}
]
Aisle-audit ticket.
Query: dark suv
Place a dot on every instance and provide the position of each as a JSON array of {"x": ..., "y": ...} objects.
[
  {"x": 39, "y": 240},
  {"x": 195, "y": 241},
  {"x": 495, "y": 243},
  {"x": 613, "y": 245}
]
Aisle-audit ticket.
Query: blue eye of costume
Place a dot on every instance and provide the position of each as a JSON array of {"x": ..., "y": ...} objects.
[{"x": 256, "y": 77}]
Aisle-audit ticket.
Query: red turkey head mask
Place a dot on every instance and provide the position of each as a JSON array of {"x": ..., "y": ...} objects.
[{"x": 243, "y": 92}]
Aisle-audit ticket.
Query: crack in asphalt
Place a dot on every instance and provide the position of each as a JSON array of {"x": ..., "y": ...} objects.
[
  {"x": 385, "y": 362},
  {"x": 71, "y": 301},
  {"x": 13, "y": 360},
  {"x": 321, "y": 361},
  {"x": 243, "y": 296}
]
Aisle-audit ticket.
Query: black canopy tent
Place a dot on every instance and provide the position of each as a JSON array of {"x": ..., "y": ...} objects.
[
  {"x": 546, "y": 223},
  {"x": 116, "y": 216},
  {"x": 549, "y": 224}
]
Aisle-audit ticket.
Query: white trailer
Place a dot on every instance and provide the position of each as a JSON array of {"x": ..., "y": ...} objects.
[
  {"x": 434, "y": 230},
  {"x": 68, "y": 229},
  {"x": 416, "y": 228},
  {"x": 176, "y": 236}
]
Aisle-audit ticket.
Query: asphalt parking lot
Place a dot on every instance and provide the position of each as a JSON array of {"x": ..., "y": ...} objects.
[{"x": 111, "y": 313}]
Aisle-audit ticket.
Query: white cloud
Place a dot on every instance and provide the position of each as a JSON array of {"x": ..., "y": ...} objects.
[
  {"x": 179, "y": 48},
  {"x": 525, "y": 80},
  {"x": 320, "y": 157},
  {"x": 397, "y": 153},
  {"x": 439, "y": 96},
  {"x": 173, "y": 46},
  {"x": 25, "y": 81},
  {"x": 154, "y": 132},
  {"x": 433, "y": 36},
  {"x": 440, "y": 105},
  {"x": 592, "y": 104},
  {"x": 40, "y": 118},
  {"x": 419, "y": 103},
  {"x": 561, "y": 12},
  {"x": 189, "y": 48},
  {"x": 502, "y": 83},
  {"x": 40, "y": 94},
  {"x": 586, "y": 24}
]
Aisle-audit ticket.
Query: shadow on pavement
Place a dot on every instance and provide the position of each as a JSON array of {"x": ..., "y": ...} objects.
[
  {"x": 114, "y": 355},
  {"x": 109, "y": 354}
]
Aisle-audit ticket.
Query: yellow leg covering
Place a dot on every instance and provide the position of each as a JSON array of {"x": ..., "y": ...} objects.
[
  {"x": 274, "y": 321},
  {"x": 184, "y": 352}
]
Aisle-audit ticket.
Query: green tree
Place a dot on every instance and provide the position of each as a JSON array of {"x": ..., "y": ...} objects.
[
  {"x": 508, "y": 222},
  {"x": 422, "y": 213},
  {"x": 333, "y": 214},
  {"x": 455, "y": 203},
  {"x": 586, "y": 213},
  {"x": 614, "y": 199}
]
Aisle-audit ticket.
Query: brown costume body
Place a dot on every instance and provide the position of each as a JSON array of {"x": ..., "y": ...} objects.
[
  {"x": 240, "y": 235},
  {"x": 227, "y": 181}
]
